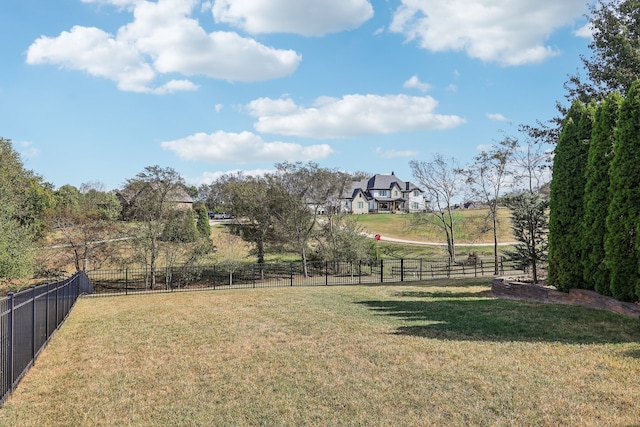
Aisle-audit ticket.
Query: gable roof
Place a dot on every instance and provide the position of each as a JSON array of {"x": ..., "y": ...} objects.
[{"x": 378, "y": 182}]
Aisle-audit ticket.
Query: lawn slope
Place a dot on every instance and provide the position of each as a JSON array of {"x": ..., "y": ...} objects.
[{"x": 440, "y": 353}]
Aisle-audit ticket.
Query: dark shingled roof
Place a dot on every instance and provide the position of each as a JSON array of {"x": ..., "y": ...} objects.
[{"x": 378, "y": 182}]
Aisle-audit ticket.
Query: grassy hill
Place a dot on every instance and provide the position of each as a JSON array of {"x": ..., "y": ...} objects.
[{"x": 472, "y": 226}]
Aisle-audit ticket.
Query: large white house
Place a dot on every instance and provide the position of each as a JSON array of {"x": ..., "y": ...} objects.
[{"x": 383, "y": 194}]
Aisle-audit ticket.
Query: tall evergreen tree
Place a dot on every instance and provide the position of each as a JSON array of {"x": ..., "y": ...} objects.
[
  {"x": 596, "y": 197},
  {"x": 623, "y": 219},
  {"x": 204, "y": 228},
  {"x": 530, "y": 225},
  {"x": 567, "y": 191}
]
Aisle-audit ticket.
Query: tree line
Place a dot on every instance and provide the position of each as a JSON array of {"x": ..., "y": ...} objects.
[
  {"x": 143, "y": 224},
  {"x": 595, "y": 195}
]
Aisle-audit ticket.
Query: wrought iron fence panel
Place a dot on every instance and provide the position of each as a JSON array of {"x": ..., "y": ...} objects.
[
  {"x": 318, "y": 273},
  {"x": 27, "y": 321}
]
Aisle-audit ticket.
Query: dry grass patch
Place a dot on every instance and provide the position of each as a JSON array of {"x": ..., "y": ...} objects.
[
  {"x": 441, "y": 353},
  {"x": 471, "y": 227}
]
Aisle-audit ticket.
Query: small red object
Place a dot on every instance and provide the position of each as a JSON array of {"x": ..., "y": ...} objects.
[{"x": 377, "y": 237}]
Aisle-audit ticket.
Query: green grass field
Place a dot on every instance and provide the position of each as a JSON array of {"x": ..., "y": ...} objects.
[
  {"x": 439, "y": 353},
  {"x": 471, "y": 227}
]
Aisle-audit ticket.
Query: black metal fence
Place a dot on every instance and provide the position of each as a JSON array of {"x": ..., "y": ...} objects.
[
  {"x": 136, "y": 280},
  {"x": 28, "y": 319}
]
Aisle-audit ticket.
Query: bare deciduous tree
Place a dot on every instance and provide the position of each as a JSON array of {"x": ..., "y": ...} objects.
[{"x": 441, "y": 181}]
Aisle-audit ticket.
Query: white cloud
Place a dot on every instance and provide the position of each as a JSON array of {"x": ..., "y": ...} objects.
[
  {"x": 242, "y": 148},
  {"x": 391, "y": 154},
  {"x": 308, "y": 17},
  {"x": 350, "y": 116},
  {"x": 496, "y": 117},
  {"x": 586, "y": 31},
  {"x": 162, "y": 39},
  {"x": 28, "y": 151},
  {"x": 415, "y": 83},
  {"x": 503, "y": 31},
  {"x": 118, "y": 3},
  {"x": 218, "y": 107},
  {"x": 209, "y": 177}
]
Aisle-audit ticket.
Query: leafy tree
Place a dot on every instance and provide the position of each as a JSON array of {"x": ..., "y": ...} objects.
[
  {"x": 529, "y": 208},
  {"x": 103, "y": 204},
  {"x": 297, "y": 193},
  {"x": 85, "y": 219},
  {"x": 215, "y": 194},
  {"x": 530, "y": 225},
  {"x": 16, "y": 248},
  {"x": 343, "y": 240},
  {"x": 566, "y": 204},
  {"x": 203, "y": 226},
  {"x": 17, "y": 233},
  {"x": 596, "y": 195},
  {"x": 623, "y": 218},
  {"x": 247, "y": 199},
  {"x": 487, "y": 177},
  {"x": 441, "y": 181},
  {"x": 152, "y": 198},
  {"x": 612, "y": 66},
  {"x": 231, "y": 252}
]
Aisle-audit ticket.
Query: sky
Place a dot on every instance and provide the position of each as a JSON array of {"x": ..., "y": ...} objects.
[{"x": 96, "y": 90}]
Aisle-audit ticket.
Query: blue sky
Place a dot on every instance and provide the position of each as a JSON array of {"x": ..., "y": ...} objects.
[{"x": 95, "y": 90}]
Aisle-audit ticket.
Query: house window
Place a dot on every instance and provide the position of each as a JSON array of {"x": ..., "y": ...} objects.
[
  {"x": 416, "y": 193},
  {"x": 360, "y": 205},
  {"x": 383, "y": 193},
  {"x": 395, "y": 193},
  {"x": 414, "y": 206}
]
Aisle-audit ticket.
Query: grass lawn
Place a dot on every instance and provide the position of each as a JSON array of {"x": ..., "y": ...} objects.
[
  {"x": 470, "y": 227},
  {"x": 437, "y": 353}
]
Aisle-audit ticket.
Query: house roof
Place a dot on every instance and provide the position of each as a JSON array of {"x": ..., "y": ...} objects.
[{"x": 378, "y": 182}]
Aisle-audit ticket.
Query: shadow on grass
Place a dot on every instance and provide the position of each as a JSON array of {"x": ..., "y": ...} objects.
[
  {"x": 486, "y": 293},
  {"x": 487, "y": 319}
]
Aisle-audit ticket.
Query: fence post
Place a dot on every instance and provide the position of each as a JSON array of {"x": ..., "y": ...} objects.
[
  {"x": 33, "y": 325},
  {"x": 420, "y": 273},
  {"x": 253, "y": 274},
  {"x": 10, "y": 356},
  {"x": 57, "y": 307},
  {"x": 381, "y": 271},
  {"x": 326, "y": 273},
  {"x": 291, "y": 274},
  {"x": 402, "y": 269},
  {"x": 126, "y": 281},
  {"x": 46, "y": 313}
]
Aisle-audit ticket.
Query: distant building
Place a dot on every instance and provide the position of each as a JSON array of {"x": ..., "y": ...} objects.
[{"x": 383, "y": 194}]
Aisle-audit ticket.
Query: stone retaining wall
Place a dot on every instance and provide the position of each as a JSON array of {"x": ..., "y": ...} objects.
[{"x": 502, "y": 288}]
